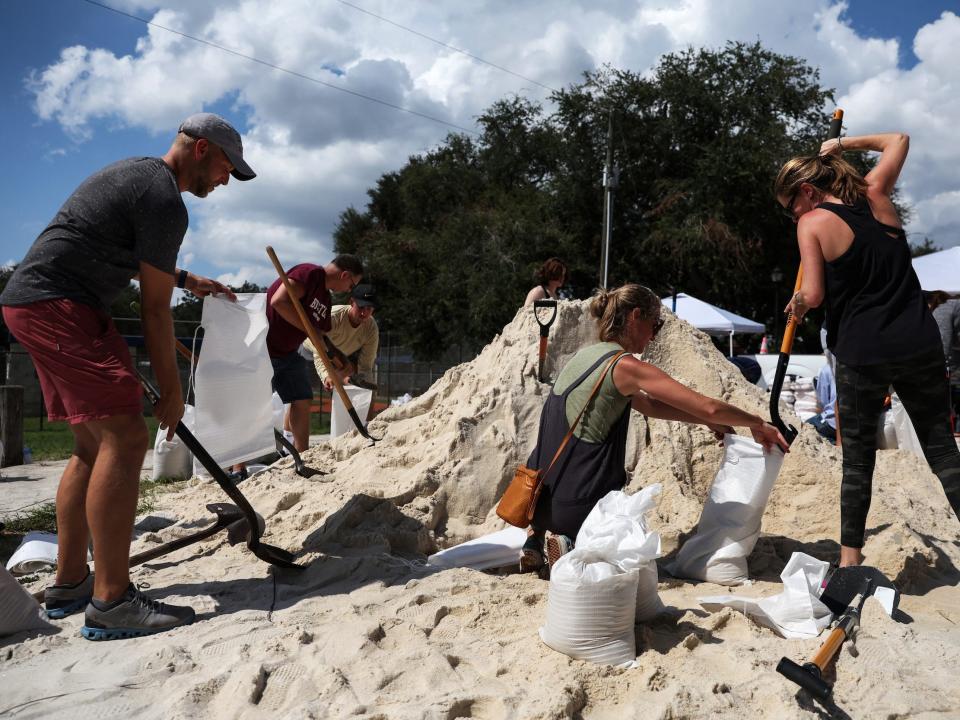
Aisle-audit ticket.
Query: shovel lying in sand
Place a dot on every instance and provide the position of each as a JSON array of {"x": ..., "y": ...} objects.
[
  {"x": 544, "y": 332},
  {"x": 789, "y": 432},
  {"x": 320, "y": 348},
  {"x": 229, "y": 517},
  {"x": 267, "y": 553},
  {"x": 809, "y": 676}
]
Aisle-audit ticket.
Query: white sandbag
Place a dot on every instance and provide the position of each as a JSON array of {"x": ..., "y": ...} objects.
[
  {"x": 906, "y": 436},
  {"x": 18, "y": 610},
  {"x": 794, "y": 613},
  {"x": 278, "y": 410},
  {"x": 886, "y": 432},
  {"x": 616, "y": 530},
  {"x": 590, "y": 609},
  {"x": 36, "y": 551},
  {"x": 730, "y": 522},
  {"x": 171, "y": 458},
  {"x": 497, "y": 549},
  {"x": 234, "y": 412},
  {"x": 340, "y": 421}
]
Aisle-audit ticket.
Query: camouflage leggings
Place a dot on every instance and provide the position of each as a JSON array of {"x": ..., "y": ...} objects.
[{"x": 921, "y": 384}]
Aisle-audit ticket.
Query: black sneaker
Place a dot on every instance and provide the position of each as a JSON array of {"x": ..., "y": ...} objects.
[
  {"x": 62, "y": 600},
  {"x": 133, "y": 615}
]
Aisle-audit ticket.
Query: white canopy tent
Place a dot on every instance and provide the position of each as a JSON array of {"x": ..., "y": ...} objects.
[
  {"x": 939, "y": 270},
  {"x": 711, "y": 319}
]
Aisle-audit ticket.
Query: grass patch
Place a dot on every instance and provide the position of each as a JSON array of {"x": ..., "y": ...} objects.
[{"x": 55, "y": 440}]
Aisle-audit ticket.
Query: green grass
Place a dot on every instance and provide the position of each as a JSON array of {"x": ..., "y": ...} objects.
[{"x": 55, "y": 440}]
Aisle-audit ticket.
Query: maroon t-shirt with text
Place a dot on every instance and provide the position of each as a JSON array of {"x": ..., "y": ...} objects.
[{"x": 282, "y": 337}]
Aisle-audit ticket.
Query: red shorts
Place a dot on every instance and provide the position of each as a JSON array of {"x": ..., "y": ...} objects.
[{"x": 82, "y": 361}]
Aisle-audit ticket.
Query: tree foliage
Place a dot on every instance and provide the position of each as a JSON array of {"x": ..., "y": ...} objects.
[{"x": 451, "y": 239}]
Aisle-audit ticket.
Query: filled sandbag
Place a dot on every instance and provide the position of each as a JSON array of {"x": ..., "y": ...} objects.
[
  {"x": 730, "y": 522},
  {"x": 616, "y": 529},
  {"x": 590, "y": 609}
]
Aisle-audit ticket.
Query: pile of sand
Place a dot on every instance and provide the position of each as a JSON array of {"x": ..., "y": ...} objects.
[{"x": 366, "y": 631}]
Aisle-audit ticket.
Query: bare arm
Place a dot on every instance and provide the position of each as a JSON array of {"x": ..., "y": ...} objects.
[
  {"x": 536, "y": 293},
  {"x": 283, "y": 306},
  {"x": 813, "y": 287},
  {"x": 632, "y": 376},
  {"x": 893, "y": 149},
  {"x": 156, "y": 289}
]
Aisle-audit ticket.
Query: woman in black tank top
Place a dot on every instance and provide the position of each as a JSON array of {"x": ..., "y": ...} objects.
[{"x": 856, "y": 262}]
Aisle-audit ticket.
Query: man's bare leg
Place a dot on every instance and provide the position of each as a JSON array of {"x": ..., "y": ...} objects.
[
  {"x": 299, "y": 417},
  {"x": 73, "y": 533},
  {"x": 112, "y": 499}
]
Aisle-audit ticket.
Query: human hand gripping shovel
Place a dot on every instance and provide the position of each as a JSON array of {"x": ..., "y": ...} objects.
[
  {"x": 320, "y": 347},
  {"x": 789, "y": 432},
  {"x": 544, "y": 332}
]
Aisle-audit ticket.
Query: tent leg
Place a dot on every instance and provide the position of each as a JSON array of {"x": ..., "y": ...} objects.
[{"x": 731, "y": 343}]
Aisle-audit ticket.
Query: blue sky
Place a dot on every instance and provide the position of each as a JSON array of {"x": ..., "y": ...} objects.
[{"x": 318, "y": 151}]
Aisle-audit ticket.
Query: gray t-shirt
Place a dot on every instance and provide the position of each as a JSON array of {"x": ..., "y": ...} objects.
[{"x": 129, "y": 212}]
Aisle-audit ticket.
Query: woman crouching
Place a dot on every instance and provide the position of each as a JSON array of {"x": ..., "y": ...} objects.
[{"x": 593, "y": 462}]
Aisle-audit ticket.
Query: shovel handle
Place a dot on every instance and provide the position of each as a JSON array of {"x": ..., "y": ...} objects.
[
  {"x": 317, "y": 343},
  {"x": 829, "y": 648}
]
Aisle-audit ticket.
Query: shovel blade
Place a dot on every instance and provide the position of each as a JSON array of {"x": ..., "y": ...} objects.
[
  {"x": 845, "y": 583},
  {"x": 275, "y": 555}
]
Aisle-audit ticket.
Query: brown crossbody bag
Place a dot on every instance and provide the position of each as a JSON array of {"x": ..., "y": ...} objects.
[{"x": 520, "y": 498}]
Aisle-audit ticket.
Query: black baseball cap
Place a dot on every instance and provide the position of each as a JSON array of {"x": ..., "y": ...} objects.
[
  {"x": 218, "y": 131},
  {"x": 365, "y": 296}
]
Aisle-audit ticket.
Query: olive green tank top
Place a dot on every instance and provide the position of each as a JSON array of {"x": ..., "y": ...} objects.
[{"x": 608, "y": 404}]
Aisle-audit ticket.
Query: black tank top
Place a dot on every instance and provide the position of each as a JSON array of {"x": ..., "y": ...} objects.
[{"x": 875, "y": 310}]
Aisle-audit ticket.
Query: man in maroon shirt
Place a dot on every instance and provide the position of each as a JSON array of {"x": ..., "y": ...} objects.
[{"x": 291, "y": 378}]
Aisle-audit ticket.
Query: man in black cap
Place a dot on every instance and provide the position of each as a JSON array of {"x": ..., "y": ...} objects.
[
  {"x": 354, "y": 334},
  {"x": 124, "y": 222}
]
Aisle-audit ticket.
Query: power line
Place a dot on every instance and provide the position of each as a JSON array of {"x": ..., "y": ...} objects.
[
  {"x": 443, "y": 44},
  {"x": 282, "y": 69}
]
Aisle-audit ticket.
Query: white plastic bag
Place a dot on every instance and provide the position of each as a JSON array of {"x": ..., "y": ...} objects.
[
  {"x": 730, "y": 522},
  {"x": 906, "y": 436},
  {"x": 590, "y": 609},
  {"x": 616, "y": 529},
  {"x": 234, "y": 412},
  {"x": 794, "y": 613},
  {"x": 171, "y": 458},
  {"x": 497, "y": 549},
  {"x": 340, "y": 421},
  {"x": 886, "y": 432}
]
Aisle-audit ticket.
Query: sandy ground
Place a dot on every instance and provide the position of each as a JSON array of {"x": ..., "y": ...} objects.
[{"x": 367, "y": 631}]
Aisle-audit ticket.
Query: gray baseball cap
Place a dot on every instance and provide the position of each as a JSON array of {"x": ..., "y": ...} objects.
[{"x": 221, "y": 133}]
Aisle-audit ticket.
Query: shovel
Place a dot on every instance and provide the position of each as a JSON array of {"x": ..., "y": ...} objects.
[
  {"x": 544, "y": 332},
  {"x": 228, "y": 516},
  {"x": 789, "y": 432},
  {"x": 809, "y": 676},
  {"x": 268, "y": 553},
  {"x": 320, "y": 347}
]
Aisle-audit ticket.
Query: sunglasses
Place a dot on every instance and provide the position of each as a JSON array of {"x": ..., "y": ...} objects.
[{"x": 788, "y": 208}]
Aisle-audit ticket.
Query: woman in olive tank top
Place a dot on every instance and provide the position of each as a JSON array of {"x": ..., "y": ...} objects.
[
  {"x": 592, "y": 463},
  {"x": 856, "y": 261}
]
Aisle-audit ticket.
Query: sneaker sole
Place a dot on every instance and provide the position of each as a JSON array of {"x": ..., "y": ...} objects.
[
  {"x": 554, "y": 551},
  {"x": 68, "y": 609},
  {"x": 125, "y": 633}
]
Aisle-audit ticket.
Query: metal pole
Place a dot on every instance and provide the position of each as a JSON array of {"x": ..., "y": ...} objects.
[{"x": 610, "y": 177}]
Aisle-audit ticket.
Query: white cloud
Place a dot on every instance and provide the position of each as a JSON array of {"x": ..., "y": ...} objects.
[{"x": 317, "y": 150}]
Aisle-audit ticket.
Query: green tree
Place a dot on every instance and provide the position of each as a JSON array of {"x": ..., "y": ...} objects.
[
  {"x": 927, "y": 247},
  {"x": 452, "y": 237}
]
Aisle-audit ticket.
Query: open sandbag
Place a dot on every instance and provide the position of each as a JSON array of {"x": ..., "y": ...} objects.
[
  {"x": 730, "y": 522},
  {"x": 497, "y": 549},
  {"x": 616, "y": 528},
  {"x": 171, "y": 458}
]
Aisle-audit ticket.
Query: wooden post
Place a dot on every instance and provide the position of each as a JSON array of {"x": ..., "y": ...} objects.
[{"x": 11, "y": 424}]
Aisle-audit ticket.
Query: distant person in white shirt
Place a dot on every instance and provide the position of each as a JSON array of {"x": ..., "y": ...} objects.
[
  {"x": 353, "y": 334},
  {"x": 824, "y": 422}
]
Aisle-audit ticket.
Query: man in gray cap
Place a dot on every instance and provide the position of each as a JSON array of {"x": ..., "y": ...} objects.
[{"x": 124, "y": 222}]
